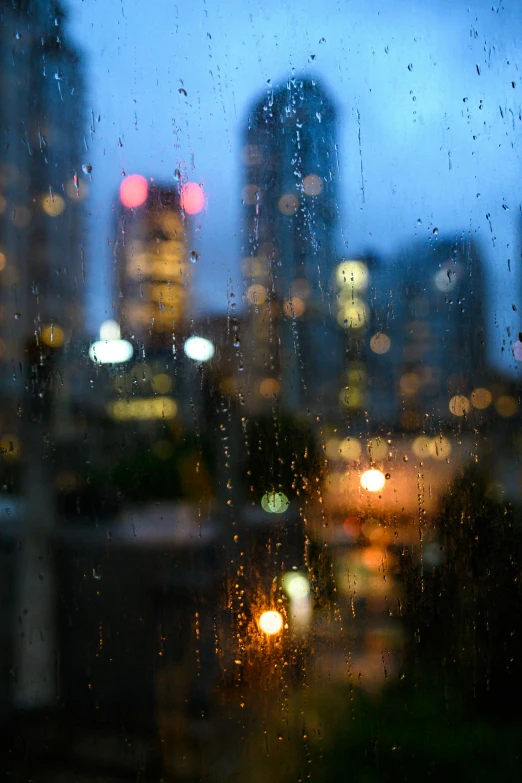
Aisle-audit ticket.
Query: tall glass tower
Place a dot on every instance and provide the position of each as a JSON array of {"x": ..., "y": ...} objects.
[{"x": 290, "y": 223}]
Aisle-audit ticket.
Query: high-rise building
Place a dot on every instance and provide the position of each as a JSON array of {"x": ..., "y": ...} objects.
[
  {"x": 292, "y": 340},
  {"x": 153, "y": 264},
  {"x": 430, "y": 336},
  {"x": 42, "y": 187}
]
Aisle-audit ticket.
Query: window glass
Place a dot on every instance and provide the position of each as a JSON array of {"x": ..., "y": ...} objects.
[{"x": 260, "y": 421}]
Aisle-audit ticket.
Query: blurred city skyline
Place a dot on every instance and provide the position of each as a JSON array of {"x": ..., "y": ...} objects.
[{"x": 428, "y": 112}]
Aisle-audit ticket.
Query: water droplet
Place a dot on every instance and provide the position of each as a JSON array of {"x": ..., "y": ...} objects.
[
  {"x": 322, "y": 40},
  {"x": 177, "y": 175},
  {"x": 410, "y": 67},
  {"x": 17, "y": 36},
  {"x": 58, "y": 76},
  {"x": 405, "y": 459},
  {"x": 86, "y": 168},
  {"x": 387, "y": 476},
  {"x": 435, "y": 231},
  {"x": 17, "y": 316},
  {"x": 182, "y": 91},
  {"x": 193, "y": 256}
]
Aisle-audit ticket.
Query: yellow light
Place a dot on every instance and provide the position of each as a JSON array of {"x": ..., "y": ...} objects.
[
  {"x": 143, "y": 408},
  {"x": 271, "y": 623},
  {"x": 256, "y": 294},
  {"x": 332, "y": 447},
  {"x": 274, "y": 502},
  {"x": 459, "y": 405},
  {"x": 269, "y": 387},
  {"x": 313, "y": 185},
  {"x": 53, "y": 205},
  {"x": 422, "y": 446},
  {"x": 161, "y": 383},
  {"x": 372, "y": 480},
  {"x": 380, "y": 343},
  {"x": 506, "y": 406},
  {"x": 296, "y": 585},
  {"x": 53, "y": 336},
  {"x": 481, "y": 398},
  {"x": 250, "y": 195},
  {"x": 294, "y": 307},
  {"x": 2, "y": 261},
  {"x": 352, "y": 274},
  {"x": 353, "y": 315},
  {"x": 377, "y": 448},
  {"x": 440, "y": 448},
  {"x": 288, "y": 204},
  {"x": 351, "y": 398},
  {"x": 350, "y": 448}
]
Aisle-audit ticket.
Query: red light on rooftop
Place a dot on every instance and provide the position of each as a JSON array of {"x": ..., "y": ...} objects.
[
  {"x": 133, "y": 191},
  {"x": 192, "y": 198}
]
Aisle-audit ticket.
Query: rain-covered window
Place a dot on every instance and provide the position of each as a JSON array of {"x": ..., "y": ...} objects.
[{"x": 260, "y": 410}]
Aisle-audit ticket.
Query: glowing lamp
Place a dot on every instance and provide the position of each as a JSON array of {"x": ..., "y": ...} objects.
[
  {"x": 192, "y": 198},
  {"x": 133, "y": 191},
  {"x": 199, "y": 349},
  {"x": 270, "y": 622},
  {"x": 111, "y": 351},
  {"x": 372, "y": 480}
]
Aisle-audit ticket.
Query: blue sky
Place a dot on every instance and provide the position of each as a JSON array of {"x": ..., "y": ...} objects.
[{"x": 427, "y": 85}]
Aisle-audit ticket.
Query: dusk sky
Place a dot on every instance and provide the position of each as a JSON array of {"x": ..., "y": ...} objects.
[{"x": 432, "y": 90}]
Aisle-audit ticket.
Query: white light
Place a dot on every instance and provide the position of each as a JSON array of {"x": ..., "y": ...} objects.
[
  {"x": 199, "y": 349},
  {"x": 296, "y": 586},
  {"x": 111, "y": 351},
  {"x": 372, "y": 480},
  {"x": 110, "y": 330}
]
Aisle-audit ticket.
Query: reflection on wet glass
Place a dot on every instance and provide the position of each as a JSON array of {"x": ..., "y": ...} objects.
[{"x": 259, "y": 433}]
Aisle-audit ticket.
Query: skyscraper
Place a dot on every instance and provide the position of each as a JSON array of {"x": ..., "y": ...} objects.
[
  {"x": 293, "y": 341},
  {"x": 153, "y": 264}
]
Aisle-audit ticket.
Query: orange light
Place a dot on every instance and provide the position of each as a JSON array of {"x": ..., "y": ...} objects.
[
  {"x": 192, "y": 198},
  {"x": 133, "y": 191}
]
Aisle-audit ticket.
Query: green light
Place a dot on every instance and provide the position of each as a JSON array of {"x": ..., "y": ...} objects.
[{"x": 274, "y": 502}]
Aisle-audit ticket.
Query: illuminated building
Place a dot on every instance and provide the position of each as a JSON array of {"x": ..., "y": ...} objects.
[
  {"x": 153, "y": 264},
  {"x": 293, "y": 341}
]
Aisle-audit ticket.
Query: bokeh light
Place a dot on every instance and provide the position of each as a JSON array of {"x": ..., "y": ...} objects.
[
  {"x": 274, "y": 502},
  {"x": 373, "y": 480},
  {"x": 192, "y": 198},
  {"x": 133, "y": 191},
  {"x": 380, "y": 343},
  {"x": 313, "y": 185},
  {"x": 459, "y": 405},
  {"x": 199, "y": 349},
  {"x": 53, "y": 205},
  {"x": 110, "y": 330},
  {"x": 271, "y": 622},
  {"x": 52, "y": 335},
  {"x": 296, "y": 585},
  {"x": 352, "y": 274}
]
